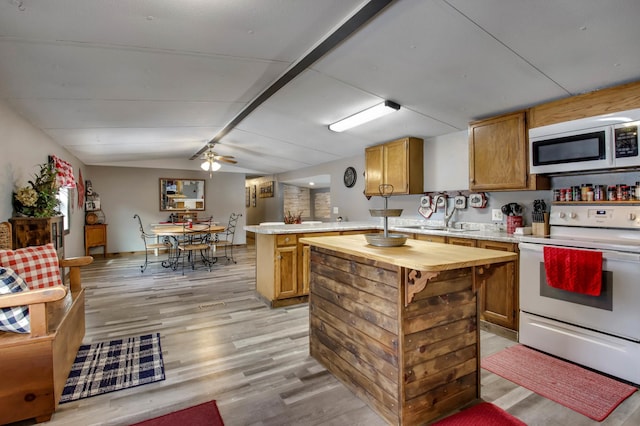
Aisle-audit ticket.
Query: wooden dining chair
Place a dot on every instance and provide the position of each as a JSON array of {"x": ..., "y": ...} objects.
[
  {"x": 226, "y": 239},
  {"x": 195, "y": 241},
  {"x": 150, "y": 243}
]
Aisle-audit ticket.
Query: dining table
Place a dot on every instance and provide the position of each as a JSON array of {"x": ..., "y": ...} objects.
[{"x": 176, "y": 232}]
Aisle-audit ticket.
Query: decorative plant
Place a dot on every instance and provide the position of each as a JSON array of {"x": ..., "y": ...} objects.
[
  {"x": 38, "y": 199},
  {"x": 290, "y": 218}
]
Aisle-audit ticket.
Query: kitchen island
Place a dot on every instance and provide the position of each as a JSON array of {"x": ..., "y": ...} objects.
[{"x": 398, "y": 325}]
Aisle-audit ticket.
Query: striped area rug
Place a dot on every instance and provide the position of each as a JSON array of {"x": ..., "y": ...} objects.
[
  {"x": 110, "y": 366},
  {"x": 587, "y": 392}
]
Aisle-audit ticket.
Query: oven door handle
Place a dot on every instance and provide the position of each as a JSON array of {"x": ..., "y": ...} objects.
[{"x": 609, "y": 255}]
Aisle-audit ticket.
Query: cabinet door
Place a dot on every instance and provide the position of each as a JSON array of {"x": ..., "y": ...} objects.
[
  {"x": 286, "y": 272},
  {"x": 499, "y": 295},
  {"x": 374, "y": 169},
  {"x": 396, "y": 165},
  {"x": 498, "y": 153}
]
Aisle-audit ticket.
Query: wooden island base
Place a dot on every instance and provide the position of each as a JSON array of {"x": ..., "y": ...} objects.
[{"x": 410, "y": 359}]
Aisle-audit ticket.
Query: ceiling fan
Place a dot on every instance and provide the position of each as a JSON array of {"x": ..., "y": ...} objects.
[{"x": 212, "y": 160}]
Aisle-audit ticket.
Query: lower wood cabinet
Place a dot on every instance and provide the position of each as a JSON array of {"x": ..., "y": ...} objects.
[
  {"x": 499, "y": 302},
  {"x": 282, "y": 266},
  {"x": 498, "y": 298},
  {"x": 95, "y": 236},
  {"x": 37, "y": 231}
]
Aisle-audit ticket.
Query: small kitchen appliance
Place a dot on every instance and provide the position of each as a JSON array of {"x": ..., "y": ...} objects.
[{"x": 606, "y": 141}]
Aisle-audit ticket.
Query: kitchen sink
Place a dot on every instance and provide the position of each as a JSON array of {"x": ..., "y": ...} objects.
[
  {"x": 438, "y": 228},
  {"x": 425, "y": 227}
]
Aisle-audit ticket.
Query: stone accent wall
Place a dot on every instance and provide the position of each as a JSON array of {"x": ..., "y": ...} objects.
[
  {"x": 297, "y": 200},
  {"x": 322, "y": 205}
]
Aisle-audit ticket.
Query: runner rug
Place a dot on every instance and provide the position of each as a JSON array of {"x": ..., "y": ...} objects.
[
  {"x": 577, "y": 388},
  {"x": 110, "y": 366},
  {"x": 206, "y": 414},
  {"x": 484, "y": 413}
]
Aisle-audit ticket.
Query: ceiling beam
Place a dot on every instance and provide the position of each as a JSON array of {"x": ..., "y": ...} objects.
[{"x": 353, "y": 24}]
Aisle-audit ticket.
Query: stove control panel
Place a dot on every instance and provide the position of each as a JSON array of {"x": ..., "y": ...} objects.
[{"x": 596, "y": 216}]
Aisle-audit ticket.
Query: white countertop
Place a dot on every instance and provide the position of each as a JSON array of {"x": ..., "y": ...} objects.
[
  {"x": 311, "y": 227},
  {"x": 479, "y": 234}
]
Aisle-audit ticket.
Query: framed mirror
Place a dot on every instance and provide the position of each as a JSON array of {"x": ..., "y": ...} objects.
[{"x": 181, "y": 194}]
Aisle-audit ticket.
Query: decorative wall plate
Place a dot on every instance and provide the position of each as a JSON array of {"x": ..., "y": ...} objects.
[{"x": 350, "y": 177}]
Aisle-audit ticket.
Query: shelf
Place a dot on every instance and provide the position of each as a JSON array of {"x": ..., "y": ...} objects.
[{"x": 596, "y": 203}]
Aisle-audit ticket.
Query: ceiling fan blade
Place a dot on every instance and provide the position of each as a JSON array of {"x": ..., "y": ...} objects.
[{"x": 226, "y": 160}]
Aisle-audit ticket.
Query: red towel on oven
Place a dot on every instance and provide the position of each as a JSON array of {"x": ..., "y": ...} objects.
[{"x": 579, "y": 271}]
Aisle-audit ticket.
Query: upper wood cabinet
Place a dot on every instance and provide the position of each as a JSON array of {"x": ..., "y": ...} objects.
[
  {"x": 498, "y": 155},
  {"x": 399, "y": 163}
]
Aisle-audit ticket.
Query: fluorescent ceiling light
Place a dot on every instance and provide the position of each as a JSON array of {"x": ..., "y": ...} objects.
[{"x": 365, "y": 116}]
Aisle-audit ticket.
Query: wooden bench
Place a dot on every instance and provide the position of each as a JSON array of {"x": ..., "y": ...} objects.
[{"x": 34, "y": 367}]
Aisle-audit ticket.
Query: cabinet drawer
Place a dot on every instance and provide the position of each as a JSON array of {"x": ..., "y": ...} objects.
[
  {"x": 431, "y": 238},
  {"x": 286, "y": 239}
]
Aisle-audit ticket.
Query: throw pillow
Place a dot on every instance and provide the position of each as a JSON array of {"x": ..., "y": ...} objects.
[
  {"x": 37, "y": 265},
  {"x": 14, "y": 319}
]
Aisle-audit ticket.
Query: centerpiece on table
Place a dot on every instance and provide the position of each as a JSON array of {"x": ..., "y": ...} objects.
[
  {"x": 290, "y": 218},
  {"x": 38, "y": 199}
]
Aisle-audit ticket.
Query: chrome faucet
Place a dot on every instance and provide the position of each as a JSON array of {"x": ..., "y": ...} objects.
[{"x": 447, "y": 215}]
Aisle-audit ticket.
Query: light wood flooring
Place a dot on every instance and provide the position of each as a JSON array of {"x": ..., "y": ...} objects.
[{"x": 220, "y": 341}]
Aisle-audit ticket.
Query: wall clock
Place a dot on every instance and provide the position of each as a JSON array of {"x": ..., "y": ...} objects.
[{"x": 350, "y": 177}]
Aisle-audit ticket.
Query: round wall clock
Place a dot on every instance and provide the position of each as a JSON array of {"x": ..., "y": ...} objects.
[{"x": 350, "y": 177}]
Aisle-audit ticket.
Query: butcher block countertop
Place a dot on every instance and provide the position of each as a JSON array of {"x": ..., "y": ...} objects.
[{"x": 415, "y": 254}]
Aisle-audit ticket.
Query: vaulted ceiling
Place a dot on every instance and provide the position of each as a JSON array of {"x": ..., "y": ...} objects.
[{"x": 148, "y": 83}]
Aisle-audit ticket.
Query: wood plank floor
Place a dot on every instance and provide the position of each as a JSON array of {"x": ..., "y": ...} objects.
[{"x": 220, "y": 341}]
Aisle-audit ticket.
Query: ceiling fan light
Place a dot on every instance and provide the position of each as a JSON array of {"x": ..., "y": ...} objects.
[
  {"x": 205, "y": 166},
  {"x": 215, "y": 166},
  {"x": 369, "y": 114}
]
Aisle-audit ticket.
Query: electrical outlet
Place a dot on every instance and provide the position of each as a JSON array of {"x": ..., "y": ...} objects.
[
  {"x": 496, "y": 214},
  {"x": 336, "y": 210}
]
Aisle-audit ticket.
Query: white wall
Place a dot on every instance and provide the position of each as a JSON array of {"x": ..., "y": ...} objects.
[
  {"x": 123, "y": 191},
  {"x": 126, "y": 191},
  {"x": 23, "y": 149},
  {"x": 446, "y": 168}
]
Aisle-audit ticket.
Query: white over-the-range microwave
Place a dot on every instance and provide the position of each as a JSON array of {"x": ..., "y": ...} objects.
[{"x": 607, "y": 141}]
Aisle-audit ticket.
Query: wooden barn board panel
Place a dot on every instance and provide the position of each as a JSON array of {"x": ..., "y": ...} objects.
[
  {"x": 445, "y": 315},
  {"x": 443, "y": 347},
  {"x": 385, "y": 353},
  {"x": 427, "y": 337},
  {"x": 367, "y": 273},
  {"x": 341, "y": 348},
  {"x": 371, "y": 330},
  {"x": 436, "y": 287},
  {"x": 369, "y": 392},
  {"x": 421, "y": 410},
  {"x": 342, "y": 288},
  {"x": 374, "y": 355},
  {"x": 366, "y": 311},
  {"x": 436, "y": 380}
]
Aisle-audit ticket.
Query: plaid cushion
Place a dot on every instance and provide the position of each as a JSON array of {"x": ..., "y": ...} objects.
[
  {"x": 37, "y": 265},
  {"x": 14, "y": 319}
]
